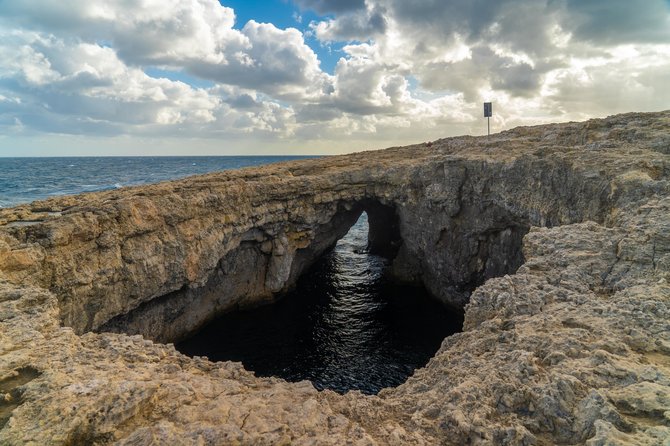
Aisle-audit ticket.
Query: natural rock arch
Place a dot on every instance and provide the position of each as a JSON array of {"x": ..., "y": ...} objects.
[
  {"x": 572, "y": 347},
  {"x": 258, "y": 271}
]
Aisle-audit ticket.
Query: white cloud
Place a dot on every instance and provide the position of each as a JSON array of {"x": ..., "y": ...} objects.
[
  {"x": 80, "y": 88},
  {"x": 411, "y": 69},
  {"x": 277, "y": 62},
  {"x": 193, "y": 35}
]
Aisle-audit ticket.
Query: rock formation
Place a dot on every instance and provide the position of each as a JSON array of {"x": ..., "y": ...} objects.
[{"x": 554, "y": 239}]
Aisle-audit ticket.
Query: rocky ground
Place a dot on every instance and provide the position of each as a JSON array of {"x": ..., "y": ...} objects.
[{"x": 562, "y": 230}]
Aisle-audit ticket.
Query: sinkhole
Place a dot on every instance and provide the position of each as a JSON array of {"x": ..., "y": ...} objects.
[{"x": 345, "y": 326}]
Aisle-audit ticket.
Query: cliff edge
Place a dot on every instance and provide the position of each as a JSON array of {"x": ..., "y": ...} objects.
[{"x": 554, "y": 240}]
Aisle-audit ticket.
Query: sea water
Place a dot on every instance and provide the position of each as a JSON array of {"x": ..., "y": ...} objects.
[
  {"x": 23, "y": 180},
  {"x": 345, "y": 327}
]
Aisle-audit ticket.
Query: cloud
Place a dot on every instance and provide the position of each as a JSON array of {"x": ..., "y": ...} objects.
[
  {"x": 459, "y": 46},
  {"x": 364, "y": 86},
  {"x": 410, "y": 69},
  {"x": 148, "y": 30},
  {"x": 618, "y": 21},
  {"x": 351, "y": 26},
  {"x": 628, "y": 79},
  {"x": 277, "y": 62},
  {"x": 85, "y": 83},
  {"x": 194, "y": 35},
  {"x": 504, "y": 45},
  {"x": 527, "y": 24},
  {"x": 331, "y": 6},
  {"x": 55, "y": 86}
]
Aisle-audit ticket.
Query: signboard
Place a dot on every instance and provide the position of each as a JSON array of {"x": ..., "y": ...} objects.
[{"x": 488, "y": 109}]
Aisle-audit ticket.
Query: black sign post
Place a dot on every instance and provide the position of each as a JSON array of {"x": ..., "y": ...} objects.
[{"x": 488, "y": 112}]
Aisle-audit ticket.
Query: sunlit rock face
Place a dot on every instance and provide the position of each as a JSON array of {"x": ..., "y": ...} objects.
[
  {"x": 553, "y": 239},
  {"x": 161, "y": 260}
]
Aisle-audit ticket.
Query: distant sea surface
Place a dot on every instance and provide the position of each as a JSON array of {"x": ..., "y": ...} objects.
[{"x": 23, "y": 180}]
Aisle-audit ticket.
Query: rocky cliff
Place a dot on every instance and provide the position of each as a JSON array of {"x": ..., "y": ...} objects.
[{"x": 554, "y": 239}]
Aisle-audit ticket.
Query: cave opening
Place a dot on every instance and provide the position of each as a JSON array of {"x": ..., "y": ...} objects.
[{"x": 346, "y": 325}]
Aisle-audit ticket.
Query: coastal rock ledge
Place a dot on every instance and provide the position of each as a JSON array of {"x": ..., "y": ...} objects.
[{"x": 554, "y": 240}]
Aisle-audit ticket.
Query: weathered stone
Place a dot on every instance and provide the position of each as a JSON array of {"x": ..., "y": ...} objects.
[{"x": 555, "y": 239}]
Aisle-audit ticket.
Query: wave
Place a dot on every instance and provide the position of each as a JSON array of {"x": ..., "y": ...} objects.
[
  {"x": 28, "y": 179},
  {"x": 85, "y": 188}
]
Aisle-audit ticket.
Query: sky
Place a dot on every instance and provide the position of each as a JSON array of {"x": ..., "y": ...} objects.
[{"x": 203, "y": 77}]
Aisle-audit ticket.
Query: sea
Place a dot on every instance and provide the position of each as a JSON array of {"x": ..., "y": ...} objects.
[
  {"x": 346, "y": 326},
  {"x": 23, "y": 180}
]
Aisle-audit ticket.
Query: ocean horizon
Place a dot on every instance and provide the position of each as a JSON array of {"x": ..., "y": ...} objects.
[{"x": 27, "y": 179}]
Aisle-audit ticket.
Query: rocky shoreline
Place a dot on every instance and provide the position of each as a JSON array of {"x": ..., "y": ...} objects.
[{"x": 555, "y": 240}]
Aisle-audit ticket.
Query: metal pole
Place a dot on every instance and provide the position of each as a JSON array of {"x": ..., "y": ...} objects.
[{"x": 488, "y": 126}]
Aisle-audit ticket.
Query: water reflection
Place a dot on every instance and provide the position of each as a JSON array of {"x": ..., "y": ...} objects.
[{"x": 344, "y": 327}]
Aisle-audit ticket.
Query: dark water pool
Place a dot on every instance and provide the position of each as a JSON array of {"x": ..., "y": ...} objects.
[{"x": 344, "y": 327}]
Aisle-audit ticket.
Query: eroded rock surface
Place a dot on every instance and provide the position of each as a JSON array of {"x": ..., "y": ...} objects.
[{"x": 562, "y": 231}]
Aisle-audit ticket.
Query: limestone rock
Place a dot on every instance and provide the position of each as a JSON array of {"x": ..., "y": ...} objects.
[{"x": 555, "y": 240}]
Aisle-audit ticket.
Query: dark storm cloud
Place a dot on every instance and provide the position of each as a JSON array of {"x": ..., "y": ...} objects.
[
  {"x": 243, "y": 102},
  {"x": 331, "y": 6},
  {"x": 316, "y": 113},
  {"x": 619, "y": 21},
  {"x": 354, "y": 26},
  {"x": 519, "y": 25},
  {"x": 466, "y": 17},
  {"x": 527, "y": 25},
  {"x": 612, "y": 21}
]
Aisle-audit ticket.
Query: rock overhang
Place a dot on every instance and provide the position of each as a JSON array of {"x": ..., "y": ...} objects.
[{"x": 552, "y": 353}]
